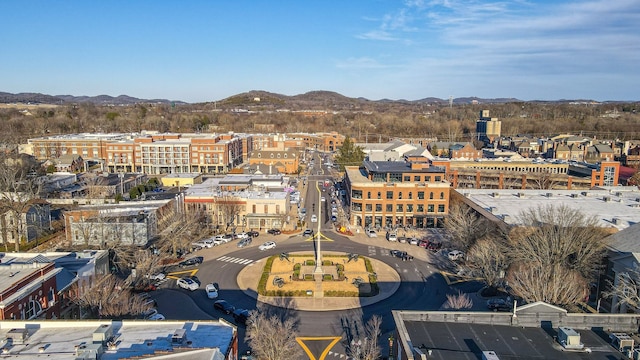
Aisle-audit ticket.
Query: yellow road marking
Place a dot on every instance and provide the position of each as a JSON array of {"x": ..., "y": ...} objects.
[
  {"x": 334, "y": 340},
  {"x": 179, "y": 274}
]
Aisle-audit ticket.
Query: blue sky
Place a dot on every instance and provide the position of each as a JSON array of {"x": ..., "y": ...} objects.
[{"x": 208, "y": 50}]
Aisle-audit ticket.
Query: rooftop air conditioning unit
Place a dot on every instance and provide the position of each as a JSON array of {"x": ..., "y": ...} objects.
[
  {"x": 495, "y": 194},
  {"x": 549, "y": 195},
  {"x": 18, "y": 336},
  {"x": 179, "y": 337},
  {"x": 606, "y": 199},
  {"x": 615, "y": 221},
  {"x": 103, "y": 334},
  {"x": 569, "y": 338},
  {"x": 574, "y": 195}
]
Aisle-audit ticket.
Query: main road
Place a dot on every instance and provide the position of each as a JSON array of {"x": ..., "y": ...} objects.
[{"x": 421, "y": 287}]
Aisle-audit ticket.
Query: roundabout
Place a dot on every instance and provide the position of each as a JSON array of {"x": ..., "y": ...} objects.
[{"x": 333, "y": 289}]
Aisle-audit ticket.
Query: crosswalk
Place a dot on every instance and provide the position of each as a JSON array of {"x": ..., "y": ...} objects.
[{"x": 235, "y": 260}]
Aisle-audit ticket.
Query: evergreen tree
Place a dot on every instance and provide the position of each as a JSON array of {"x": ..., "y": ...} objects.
[{"x": 349, "y": 154}]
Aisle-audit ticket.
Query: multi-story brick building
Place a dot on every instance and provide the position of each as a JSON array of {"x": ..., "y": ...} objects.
[{"x": 397, "y": 193}]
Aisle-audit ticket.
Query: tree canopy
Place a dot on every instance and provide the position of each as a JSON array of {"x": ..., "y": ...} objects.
[{"x": 349, "y": 154}]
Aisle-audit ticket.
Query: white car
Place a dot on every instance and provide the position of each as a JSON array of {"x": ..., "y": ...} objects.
[
  {"x": 371, "y": 233},
  {"x": 187, "y": 284},
  {"x": 392, "y": 237},
  {"x": 314, "y": 218},
  {"x": 211, "y": 290},
  {"x": 242, "y": 235},
  {"x": 156, "y": 277},
  {"x": 323, "y": 199},
  {"x": 266, "y": 246},
  {"x": 207, "y": 243},
  {"x": 455, "y": 255}
]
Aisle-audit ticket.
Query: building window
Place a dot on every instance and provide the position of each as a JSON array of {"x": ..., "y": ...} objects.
[
  {"x": 399, "y": 208},
  {"x": 266, "y": 209},
  {"x": 379, "y": 177},
  {"x": 438, "y": 178},
  {"x": 431, "y": 195},
  {"x": 442, "y": 196},
  {"x": 407, "y": 178},
  {"x": 356, "y": 194},
  {"x": 368, "y": 194},
  {"x": 389, "y": 208},
  {"x": 395, "y": 177},
  {"x": 33, "y": 309},
  {"x": 430, "y": 208},
  {"x": 427, "y": 178},
  {"x": 416, "y": 178},
  {"x": 400, "y": 195},
  {"x": 441, "y": 208},
  {"x": 420, "y": 195},
  {"x": 389, "y": 195},
  {"x": 368, "y": 207},
  {"x": 420, "y": 208},
  {"x": 378, "y": 207},
  {"x": 379, "y": 195},
  {"x": 357, "y": 206},
  {"x": 410, "y": 194},
  {"x": 409, "y": 207}
]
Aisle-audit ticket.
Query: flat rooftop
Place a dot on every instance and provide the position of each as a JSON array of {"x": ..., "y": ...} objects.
[
  {"x": 58, "y": 338},
  {"x": 452, "y": 341},
  {"x": 614, "y": 207}
]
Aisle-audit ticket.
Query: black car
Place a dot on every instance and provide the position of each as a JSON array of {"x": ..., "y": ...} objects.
[
  {"x": 308, "y": 232},
  {"x": 274, "y": 231},
  {"x": 401, "y": 254},
  {"x": 224, "y": 306},
  {"x": 253, "y": 233},
  {"x": 194, "y": 261},
  {"x": 499, "y": 305},
  {"x": 241, "y": 316}
]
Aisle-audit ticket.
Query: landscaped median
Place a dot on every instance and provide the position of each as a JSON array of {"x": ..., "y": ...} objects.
[{"x": 343, "y": 275}]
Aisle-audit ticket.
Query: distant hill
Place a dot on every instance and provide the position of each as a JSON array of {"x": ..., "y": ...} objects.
[{"x": 36, "y": 98}]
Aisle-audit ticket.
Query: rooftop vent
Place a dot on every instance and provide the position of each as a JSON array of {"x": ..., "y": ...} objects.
[
  {"x": 584, "y": 193},
  {"x": 495, "y": 195},
  {"x": 548, "y": 195},
  {"x": 616, "y": 221},
  {"x": 621, "y": 341},
  {"x": 103, "y": 334},
  {"x": 179, "y": 337},
  {"x": 606, "y": 198},
  {"x": 569, "y": 338},
  {"x": 18, "y": 336},
  {"x": 521, "y": 195},
  {"x": 574, "y": 195}
]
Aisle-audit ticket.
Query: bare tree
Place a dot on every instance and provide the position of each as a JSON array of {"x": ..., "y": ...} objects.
[
  {"x": 229, "y": 207},
  {"x": 18, "y": 188},
  {"x": 272, "y": 338},
  {"x": 488, "y": 260},
  {"x": 464, "y": 225},
  {"x": 180, "y": 230},
  {"x": 110, "y": 296},
  {"x": 555, "y": 254},
  {"x": 626, "y": 288},
  {"x": 552, "y": 284},
  {"x": 364, "y": 345},
  {"x": 458, "y": 301}
]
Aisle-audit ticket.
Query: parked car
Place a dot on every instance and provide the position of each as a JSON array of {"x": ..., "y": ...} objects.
[
  {"x": 391, "y": 236},
  {"x": 156, "y": 317},
  {"x": 211, "y": 290},
  {"x": 224, "y": 306},
  {"x": 242, "y": 235},
  {"x": 241, "y": 316},
  {"x": 455, "y": 255},
  {"x": 244, "y": 242},
  {"x": 413, "y": 241},
  {"x": 308, "y": 232},
  {"x": 274, "y": 231},
  {"x": 499, "y": 305},
  {"x": 371, "y": 233},
  {"x": 156, "y": 277},
  {"x": 267, "y": 246},
  {"x": 187, "y": 284},
  {"x": 206, "y": 243},
  {"x": 423, "y": 243},
  {"x": 323, "y": 198},
  {"x": 253, "y": 233},
  {"x": 194, "y": 261},
  {"x": 434, "y": 245}
]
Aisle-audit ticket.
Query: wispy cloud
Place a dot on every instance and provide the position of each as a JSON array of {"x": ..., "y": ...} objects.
[{"x": 360, "y": 63}]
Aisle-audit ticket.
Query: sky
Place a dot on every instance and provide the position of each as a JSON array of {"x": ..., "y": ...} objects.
[{"x": 197, "y": 51}]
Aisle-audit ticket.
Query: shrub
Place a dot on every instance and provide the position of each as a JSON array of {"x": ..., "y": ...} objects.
[
  {"x": 310, "y": 262},
  {"x": 327, "y": 277},
  {"x": 340, "y": 275},
  {"x": 367, "y": 265},
  {"x": 308, "y": 277},
  {"x": 297, "y": 267},
  {"x": 296, "y": 275},
  {"x": 340, "y": 267},
  {"x": 327, "y": 262}
]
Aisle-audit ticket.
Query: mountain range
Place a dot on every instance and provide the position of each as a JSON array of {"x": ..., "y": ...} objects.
[{"x": 309, "y": 100}]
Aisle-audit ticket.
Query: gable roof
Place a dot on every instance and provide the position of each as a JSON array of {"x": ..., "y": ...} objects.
[{"x": 540, "y": 307}]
